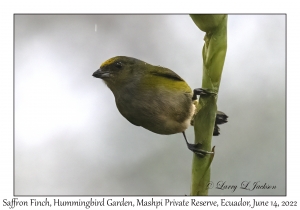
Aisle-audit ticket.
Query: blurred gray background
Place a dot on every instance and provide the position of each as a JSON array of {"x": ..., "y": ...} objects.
[{"x": 70, "y": 138}]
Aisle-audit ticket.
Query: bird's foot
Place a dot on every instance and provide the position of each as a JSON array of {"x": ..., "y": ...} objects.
[
  {"x": 201, "y": 92},
  {"x": 221, "y": 118},
  {"x": 200, "y": 152}
]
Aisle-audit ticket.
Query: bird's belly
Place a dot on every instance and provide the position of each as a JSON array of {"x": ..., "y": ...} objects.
[{"x": 162, "y": 117}]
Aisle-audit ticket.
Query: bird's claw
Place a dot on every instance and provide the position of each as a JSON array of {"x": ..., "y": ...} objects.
[
  {"x": 195, "y": 148},
  {"x": 202, "y": 92}
]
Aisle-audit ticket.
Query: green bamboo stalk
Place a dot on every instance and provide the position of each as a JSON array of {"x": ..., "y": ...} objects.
[{"x": 213, "y": 53}]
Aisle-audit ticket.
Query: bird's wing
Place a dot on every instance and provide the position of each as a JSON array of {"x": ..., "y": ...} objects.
[{"x": 164, "y": 72}]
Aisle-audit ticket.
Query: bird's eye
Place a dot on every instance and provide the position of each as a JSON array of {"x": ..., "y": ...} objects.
[{"x": 119, "y": 65}]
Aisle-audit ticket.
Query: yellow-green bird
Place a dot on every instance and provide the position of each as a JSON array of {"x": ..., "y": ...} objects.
[{"x": 153, "y": 97}]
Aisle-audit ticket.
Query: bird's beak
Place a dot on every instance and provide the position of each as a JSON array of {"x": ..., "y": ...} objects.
[{"x": 101, "y": 74}]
